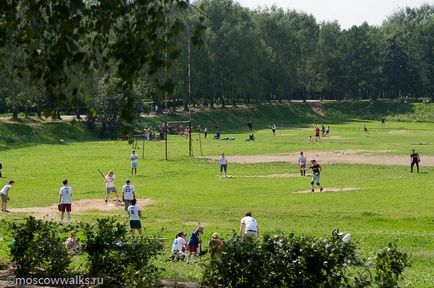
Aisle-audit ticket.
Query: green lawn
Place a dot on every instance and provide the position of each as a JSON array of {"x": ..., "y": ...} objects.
[{"x": 392, "y": 204}]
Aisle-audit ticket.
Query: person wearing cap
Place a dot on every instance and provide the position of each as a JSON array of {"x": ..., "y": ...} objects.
[
  {"x": 133, "y": 158},
  {"x": 302, "y": 163},
  {"x": 248, "y": 226},
  {"x": 215, "y": 245},
  {"x": 316, "y": 169},
  {"x": 415, "y": 159},
  {"x": 179, "y": 246},
  {"x": 194, "y": 241}
]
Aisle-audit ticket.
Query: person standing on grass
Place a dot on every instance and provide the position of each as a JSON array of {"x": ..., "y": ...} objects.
[
  {"x": 110, "y": 186},
  {"x": 302, "y": 163},
  {"x": 316, "y": 169},
  {"x": 128, "y": 193},
  {"x": 383, "y": 121},
  {"x": 223, "y": 163},
  {"x": 273, "y": 128},
  {"x": 205, "y": 132},
  {"x": 327, "y": 131},
  {"x": 365, "y": 129},
  {"x": 135, "y": 213},
  {"x": 133, "y": 158},
  {"x": 248, "y": 226},
  {"x": 194, "y": 242},
  {"x": 65, "y": 196},
  {"x": 1, "y": 167},
  {"x": 4, "y": 193},
  {"x": 415, "y": 159},
  {"x": 317, "y": 131}
]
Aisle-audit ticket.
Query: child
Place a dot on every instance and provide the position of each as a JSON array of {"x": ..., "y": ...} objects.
[
  {"x": 135, "y": 213},
  {"x": 179, "y": 246},
  {"x": 215, "y": 245},
  {"x": 5, "y": 195},
  {"x": 72, "y": 244}
]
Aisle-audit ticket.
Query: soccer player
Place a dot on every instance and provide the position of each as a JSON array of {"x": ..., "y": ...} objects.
[
  {"x": 316, "y": 175},
  {"x": 110, "y": 186},
  {"x": 415, "y": 159},
  {"x": 248, "y": 226},
  {"x": 133, "y": 158},
  {"x": 302, "y": 163},
  {"x": 4, "y": 193},
  {"x": 128, "y": 193},
  {"x": 223, "y": 162},
  {"x": 65, "y": 196},
  {"x": 135, "y": 213}
]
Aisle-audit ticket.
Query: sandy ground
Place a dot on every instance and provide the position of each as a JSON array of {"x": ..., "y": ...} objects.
[
  {"x": 341, "y": 157},
  {"x": 268, "y": 176},
  {"x": 326, "y": 190},
  {"x": 79, "y": 206}
]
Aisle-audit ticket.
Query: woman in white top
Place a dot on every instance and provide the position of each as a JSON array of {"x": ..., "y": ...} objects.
[
  {"x": 4, "y": 193},
  {"x": 223, "y": 163}
]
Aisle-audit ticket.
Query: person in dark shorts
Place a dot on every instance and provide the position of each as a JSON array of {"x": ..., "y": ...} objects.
[
  {"x": 383, "y": 121},
  {"x": 135, "y": 213},
  {"x": 316, "y": 169},
  {"x": 415, "y": 159}
]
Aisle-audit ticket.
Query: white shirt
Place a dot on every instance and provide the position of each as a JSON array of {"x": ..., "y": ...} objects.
[
  {"x": 133, "y": 157},
  {"x": 133, "y": 210},
  {"x": 110, "y": 181},
  {"x": 178, "y": 244},
  {"x": 273, "y": 127},
  {"x": 223, "y": 160},
  {"x": 128, "y": 191},
  {"x": 302, "y": 159},
  {"x": 66, "y": 193},
  {"x": 5, "y": 189},
  {"x": 250, "y": 224}
]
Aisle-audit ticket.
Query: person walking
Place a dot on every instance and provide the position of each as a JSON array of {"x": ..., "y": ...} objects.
[
  {"x": 302, "y": 163},
  {"x": 4, "y": 193},
  {"x": 135, "y": 213},
  {"x": 223, "y": 163},
  {"x": 316, "y": 169},
  {"x": 128, "y": 193},
  {"x": 273, "y": 128},
  {"x": 415, "y": 159},
  {"x": 65, "y": 195},
  {"x": 248, "y": 226},
  {"x": 110, "y": 186},
  {"x": 133, "y": 158},
  {"x": 205, "y": 132}
]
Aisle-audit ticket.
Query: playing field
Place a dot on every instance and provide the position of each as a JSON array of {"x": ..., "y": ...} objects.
[{"x": 375, "y": 197}]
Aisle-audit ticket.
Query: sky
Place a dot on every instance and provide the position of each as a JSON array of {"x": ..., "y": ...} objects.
[{"x": 346, "y": 12}]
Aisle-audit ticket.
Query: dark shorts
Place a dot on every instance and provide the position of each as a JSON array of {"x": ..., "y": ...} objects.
[
  {"x": 127, "y": 204},
  {"x": 223, "y": 167},
  {"x": 192, "y": 248},
  {"x": 135, "y": 224},
  {"x": 65, "y": 207},
  {"x": 4, "y": 198}
]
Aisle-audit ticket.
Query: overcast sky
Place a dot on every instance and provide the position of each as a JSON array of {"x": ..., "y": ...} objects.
[{"x": 346, "y": 12}]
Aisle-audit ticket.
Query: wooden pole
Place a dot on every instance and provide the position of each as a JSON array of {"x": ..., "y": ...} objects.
[
  {"x": 166, "y": 136},
  {"x": 200, "y": 145}
]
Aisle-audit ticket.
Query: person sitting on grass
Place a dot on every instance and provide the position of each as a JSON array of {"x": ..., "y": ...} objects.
[
  {"x": 5, "y": 195},
  {"x": 251, "y": 137},
  {"x": 72, "y": 244},
  {"x": 179, "y": 246}
]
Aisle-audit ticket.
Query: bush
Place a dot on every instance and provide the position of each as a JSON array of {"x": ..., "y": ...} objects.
[
  {"x": 279, "y": 261},
  {"x": 117, "y": 260},
  {"x": 37, "y": 247}
]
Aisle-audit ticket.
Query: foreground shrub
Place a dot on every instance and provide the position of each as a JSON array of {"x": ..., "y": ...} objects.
[
  {"x": 279, "y": 261},
  {"x": 37, "y": 247}
]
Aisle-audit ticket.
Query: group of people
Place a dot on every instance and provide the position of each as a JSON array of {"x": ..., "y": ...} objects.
[{"x": 316, "y": 170}]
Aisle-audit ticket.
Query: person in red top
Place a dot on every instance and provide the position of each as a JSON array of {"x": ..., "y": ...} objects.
[
  {"x": 317, "y": 131},
  {"x": 316, "y": 169},
  {"x": 414, "y": 160}
]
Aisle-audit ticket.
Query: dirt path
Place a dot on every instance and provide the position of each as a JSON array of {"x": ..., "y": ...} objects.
[
  {"x": 343, "y": 157},
  {"x": 79, "y": 206}
]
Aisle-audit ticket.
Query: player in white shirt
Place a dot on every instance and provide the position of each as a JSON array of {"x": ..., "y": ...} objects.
[
  {"x": 4, "y": 193},
  {"x": 223, "y": 164},
  {"x": 110, "y": 186},
  {"x": 273, "y": 128},
  {"x": 135, "y": 213},
  {"x": 133, "y": 158},
  {"x": 65, "y": 195},
  {"x": 248, "y": 226},
  {"x": 302, "y": 163},
  {"x": 179, "y": 246},
  {"x": 128, "y": 193}
]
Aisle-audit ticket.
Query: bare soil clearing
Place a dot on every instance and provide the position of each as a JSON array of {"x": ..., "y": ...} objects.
[
  {"x": 269, "y": 176},
  {"x": 80, "y": 206},
  {"x": 337, "y": 157},
  {"x": 327, "y": 190}
]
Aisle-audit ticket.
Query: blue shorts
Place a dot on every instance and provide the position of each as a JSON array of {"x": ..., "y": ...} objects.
[
  {"x": 134, "y": 164},
  {"x": 223, "y": 167}
]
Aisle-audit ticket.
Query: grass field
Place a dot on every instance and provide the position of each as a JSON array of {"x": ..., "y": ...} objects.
[{"x": 391, "y": 204}]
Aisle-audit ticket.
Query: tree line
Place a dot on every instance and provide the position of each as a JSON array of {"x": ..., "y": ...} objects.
[{"x": 115, "y": 59}]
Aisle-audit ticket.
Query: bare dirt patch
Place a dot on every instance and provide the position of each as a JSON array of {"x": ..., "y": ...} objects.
[
  {"x": 336, "y": 157},
  {"x": 269, "y": 176},
  {"x": 80, "y": 206},
  {"x": 327, "y": 190}
]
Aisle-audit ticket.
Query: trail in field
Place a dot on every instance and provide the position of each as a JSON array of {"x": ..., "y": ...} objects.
[
  {"x": 269, "y": 176},
  {"x": 338, "y": 157},
  {"x": 326, "y": 190},
  {"x": 79, "y": 206}
]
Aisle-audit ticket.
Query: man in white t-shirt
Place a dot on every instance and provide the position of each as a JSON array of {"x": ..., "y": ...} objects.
[
  {"x": 248, "y": 226},
  {"x": 110, "y": 186},
  {"x": 4, "y": 193},
  {"x": 302, "y": 163},
  {"x": 128, "y": 193},
  {"x": 135, "y": 213},
  {"x": 65, "y": 195},
  {"x": 133, "y": 158},
  {"x": 223, "y": 164},
  {"x": 179, "y": 246}
]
